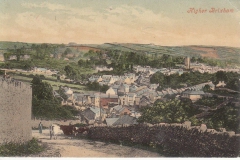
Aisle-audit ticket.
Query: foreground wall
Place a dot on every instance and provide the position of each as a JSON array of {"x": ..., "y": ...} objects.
[
  {"x": 188, "y": 141},
  {"x": 15, "y": 111}
]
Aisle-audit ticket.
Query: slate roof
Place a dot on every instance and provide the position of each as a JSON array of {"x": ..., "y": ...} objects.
[
  {"x": 96, "y": 110},
  {"x": 118, "y": 107},
  {"x": 194, "y": 92},
  {"x": 111, "y": 121},
  {"x": 125, "y": 119}
]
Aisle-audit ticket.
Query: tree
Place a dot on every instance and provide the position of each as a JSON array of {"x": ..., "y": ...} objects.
[
  {"x": 220, "y": 76},
  {"x": 172, "y": 111},
  {"x": 41, "y": 90},
  {"x": 67, "y": 51},
  {"x": 226, "y": 117},
  {"x": 70, "y": 72},
  {"x": 157, "y": 78},
  {"x": 206, "y": 88},
  {"x": 95, "y": 86},
  {"x": 234, "y": 84}
]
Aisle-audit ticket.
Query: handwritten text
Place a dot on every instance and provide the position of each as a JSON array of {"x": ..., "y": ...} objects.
[{"x": 211, "y": 10}]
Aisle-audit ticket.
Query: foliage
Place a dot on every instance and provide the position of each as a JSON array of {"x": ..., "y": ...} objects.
[
  {"x": 62, "y": 94},
  {"x": 95, "y": 86},
  {"x": 226, "y": 117},
  {"x": 70, "y": 71},
  {"x": 23, "y": 149},
  {"x": 67, "y": 51},
  {"x": 42, "y": 90},
  {"x": 211, "y": 102},
  {"x": 234, "y": 84},
  {"x": 158, "y": 78},
  {"x": 172, "y": 111},
  {"x": 45, "y": 105},
  {"x": 177, "y": 81}
]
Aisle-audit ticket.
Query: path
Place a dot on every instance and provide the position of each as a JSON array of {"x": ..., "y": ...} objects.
[{"x": 86, "y": 148}]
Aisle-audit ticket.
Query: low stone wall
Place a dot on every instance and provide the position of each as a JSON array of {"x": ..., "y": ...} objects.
[{"x": 188, "y": 141}]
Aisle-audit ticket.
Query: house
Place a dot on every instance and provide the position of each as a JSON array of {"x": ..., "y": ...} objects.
[
  {"x": 144, "y": 102},
  {"x": 13, "y": 57},
  {"x": 95, "y": 78},
  {"x": 80, "y": 99},
  {"x": 111, "y": 91},
  {"x": 128, "y": 80},
  {"x": 127, "y": 99},
  {"x": 153, "y": 96},
  {"x": 153, "y": 86},
  {"x": 25, "y": 57},
  {"x": 135, "y": 114},
  {"x": 133, "y": 88},
  {"x": 111, "y": 121},
  {"x": 106, "y": 100},
  {"x": 221, "y": 84},
  {"x": 118, "y": 111},
  {"x": 103, "y": 68},
  {"x": 93, "y": 114},
  {"x": 126, "y": 120},
  {"x": 193, "y": 95},
  {"x": 121, "y": 90}
]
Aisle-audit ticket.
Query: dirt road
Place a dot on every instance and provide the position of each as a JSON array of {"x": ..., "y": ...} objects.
[{"x": 66, "y": 147}]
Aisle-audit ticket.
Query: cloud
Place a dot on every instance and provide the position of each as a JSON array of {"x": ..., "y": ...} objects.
[
  {"x": 47, "y": 5},
  {"x": 4, "y": 16},
  {"x": 32, "y": 21},
  {"x": 133, "y": 24}
]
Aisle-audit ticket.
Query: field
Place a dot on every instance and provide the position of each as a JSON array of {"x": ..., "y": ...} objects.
[
  {"x": 54, "y": 84},
  {"x": 230, "y": 54}
]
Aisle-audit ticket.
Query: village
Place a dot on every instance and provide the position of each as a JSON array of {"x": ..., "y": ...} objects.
[{"x": 128, "y": 93}]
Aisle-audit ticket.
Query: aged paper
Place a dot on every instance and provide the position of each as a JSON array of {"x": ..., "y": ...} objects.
[{"x": 110, "y": 78}]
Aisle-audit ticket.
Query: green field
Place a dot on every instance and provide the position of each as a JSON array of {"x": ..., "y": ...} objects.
[{"x": 54, "y": 84}]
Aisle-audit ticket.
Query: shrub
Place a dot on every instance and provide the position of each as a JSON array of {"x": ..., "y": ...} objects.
[{"x": 12, "y": 149}]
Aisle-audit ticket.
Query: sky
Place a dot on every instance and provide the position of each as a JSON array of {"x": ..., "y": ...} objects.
[{"x": 160, "y": 22}]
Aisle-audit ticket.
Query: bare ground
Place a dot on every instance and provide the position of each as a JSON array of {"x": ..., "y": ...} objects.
[{"x": 67, "y": 147}]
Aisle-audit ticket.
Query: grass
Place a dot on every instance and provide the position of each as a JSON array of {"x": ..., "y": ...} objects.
[
  {"x": 54, "y": 84},
  {"x": 12, "y": 149}
]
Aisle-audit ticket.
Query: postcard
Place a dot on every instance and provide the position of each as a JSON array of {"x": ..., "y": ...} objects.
[{"x": 119, "y": 79}]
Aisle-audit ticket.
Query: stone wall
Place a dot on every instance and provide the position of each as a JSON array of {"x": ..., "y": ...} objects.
[
  {"x": 15, "y": 111},
  {"x": 184, "y": 139}
]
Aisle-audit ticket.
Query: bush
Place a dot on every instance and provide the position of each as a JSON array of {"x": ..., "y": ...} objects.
[{"x": 21, "y": 149}]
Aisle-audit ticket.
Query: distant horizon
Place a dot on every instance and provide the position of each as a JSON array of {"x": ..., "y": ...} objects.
[{"x": 122, "y": 43}]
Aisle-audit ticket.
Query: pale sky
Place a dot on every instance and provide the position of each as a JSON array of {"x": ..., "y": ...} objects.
[{"x": 162, "y": 22}]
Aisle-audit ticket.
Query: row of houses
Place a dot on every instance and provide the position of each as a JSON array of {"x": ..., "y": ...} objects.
[
  {"x": 150, "y": 71},
  {"x": 111, "y": 79},
  {"x": 202, "y": 68},
  {"x": 130, "y": 95},
  {"x": 22, "y": 57}
]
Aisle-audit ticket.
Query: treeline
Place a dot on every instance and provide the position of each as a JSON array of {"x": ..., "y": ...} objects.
[
  {"x": 178, "y": 111},
  {"x": 193, "y": 78}
]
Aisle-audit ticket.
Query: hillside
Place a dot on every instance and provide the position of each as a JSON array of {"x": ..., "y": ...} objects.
[{"x": 229, "y": 54}]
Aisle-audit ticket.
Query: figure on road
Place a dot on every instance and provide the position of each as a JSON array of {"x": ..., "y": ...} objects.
[{"x": 40, "y": 127}]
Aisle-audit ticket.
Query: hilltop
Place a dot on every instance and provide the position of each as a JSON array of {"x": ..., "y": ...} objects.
[{"x": 217, "y": 52}]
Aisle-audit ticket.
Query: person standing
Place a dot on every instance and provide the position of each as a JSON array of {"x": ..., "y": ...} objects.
[
  {"x": 40, "y": 127},
  {"x": 51, "y": 131}
]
